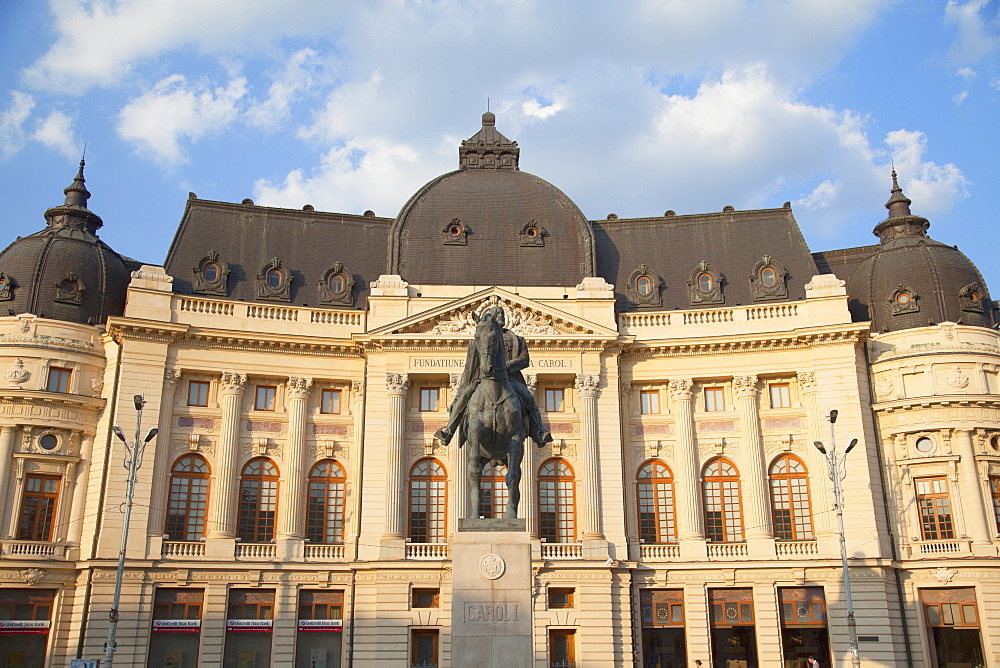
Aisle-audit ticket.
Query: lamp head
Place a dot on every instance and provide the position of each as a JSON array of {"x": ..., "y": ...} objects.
[
  {"x": 139, "y": 402},
  {"x": 833, "y": 416},
  {"x": 118, "y": 432},
  {"x": 819, "y": 446},
  {"x": 151, "y": 435},
  {"x": 851, "y": 445}
]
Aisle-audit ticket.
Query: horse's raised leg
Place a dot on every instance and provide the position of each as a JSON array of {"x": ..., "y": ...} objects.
[
  {"x": 513, "y": 478},
  {"x": 475, "y": 473}
]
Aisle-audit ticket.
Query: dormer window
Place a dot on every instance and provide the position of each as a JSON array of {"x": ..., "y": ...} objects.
[
  {"x": 532, "y": 234},
  {"x": 767, "y": 280},
  {"x": 211, "y": 275},
  {"x": 274, "y": 282},
  {"x": 70, "y": 290},
  {"x": 455, "y": 233},
  {"x": 705, "y": 285},
  {"x": 7, "y": 285},
  {"x": 336, "y": 286},
  {"x": 903, "y": 300},
  {"x": 971, "y": 298},
  {"x": 643, "y": 287}
]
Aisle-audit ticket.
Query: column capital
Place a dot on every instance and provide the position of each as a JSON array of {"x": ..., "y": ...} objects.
[
  {"x": 681, "y": 390},
  {"x": 233, "y": 383},
  {"x": 745, "y": 386},
  {"x": 807, "y": 381},
  {"x": 587, "y": 385},
  {"x": 170, "y": 378},
  {"x": 299, "y": 387},
  {"x": 357, "y": 389},
  {"x": 397, "y": 384}
]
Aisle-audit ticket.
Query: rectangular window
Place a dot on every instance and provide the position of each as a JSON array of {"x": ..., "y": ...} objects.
[
  {"x": 560, "y": 597},
  {"x": 953, "y": 622},
  {"x": 714, "y": 399},
  {"x": 176, "y": 627},
  {"x": 429, "y": 398},
  {"x": 554, "y": 401},
  {"x": 58, "y": 380},
  {"x": 650, "y": 402},
  {"x": 562, "y": 650},
  {"x": 935, "y": 509},
  {"x": 780, "y": 397},
  {"x": 732, "y": 632},
  {"x": 31, "y": 610},
  {"x": 424, "y": 648},
  {"x": 249, "y": 618},
  {"x": 197, "y": 393},
  {"x": 426, "y": 597},
  {"x": 330, "y": 402},
  {"x": 38, "y": 507},
  {"x": 321, "y": 626},
  {"x": 265, "y": 398},
  {"x": 662, "y": 612}
]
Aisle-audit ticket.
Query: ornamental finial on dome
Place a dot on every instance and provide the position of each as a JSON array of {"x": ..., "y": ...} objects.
[
  {"x": 74, "y": 214},
  {"x": 488, "y": 149},
  {"x": 76, "y": 192},
  {"x": 898, "y": 204}
]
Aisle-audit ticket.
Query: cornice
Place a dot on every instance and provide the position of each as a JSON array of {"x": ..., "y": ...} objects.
[
  {"x": 918, "y": 403},
  {"x": 227, "y": 339},
  {"x": 769, "y": 341},
  {"x": 122, "y": 328},
  {"x": 35, "y": 397}
]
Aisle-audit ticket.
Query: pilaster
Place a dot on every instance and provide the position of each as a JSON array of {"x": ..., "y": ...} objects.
[
  {"x": 291, "y": 515},
  {"x": 760, "y": 537},
  {"x": 222, "y": 519},
  {"x": 397, "y": 386},
  {"x": 690, "y": 525},
  {"x": 587, "y": 390}
]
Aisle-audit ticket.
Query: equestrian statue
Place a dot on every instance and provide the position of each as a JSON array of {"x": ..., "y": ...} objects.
[{"x": 493, "y": 409}]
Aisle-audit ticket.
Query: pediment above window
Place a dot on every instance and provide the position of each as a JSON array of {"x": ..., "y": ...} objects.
[
  {"x": 767, "y": 280},
  {"x": 211, "y": 275},
  {"x": 644, "y": 287},
  {"x": 705, "y": 285},
  {"x": 274, "y": 282},
  {"x": 337, "y": 286}
]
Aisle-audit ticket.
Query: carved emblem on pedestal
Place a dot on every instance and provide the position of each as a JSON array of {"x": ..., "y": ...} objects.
[
  {"x": 883, "y": 387},
  {"x": 31, "y": 576},
  {"x": 492, "y": 566},
  {"x": 944, "y": 575},
  {"x": 957, "y": 380},
  {"x": 17, "y": 374}
]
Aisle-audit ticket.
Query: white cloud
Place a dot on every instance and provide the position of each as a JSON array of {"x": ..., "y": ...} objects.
[
  {"x": 977, "y": 37},
  {"x": 286, "y": 88},
  {"x": 157, "y": 122},
  {"x": 12, "y": 119},
  {"x": 958, "y": 98},
  {"x": 56, "y": 132},
  {"x": 966, "y": 72},
  {"x": 933, "y": 188}
]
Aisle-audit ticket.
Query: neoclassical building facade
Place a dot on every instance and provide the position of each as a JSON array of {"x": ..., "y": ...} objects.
[{"x": 294, "y": 509}]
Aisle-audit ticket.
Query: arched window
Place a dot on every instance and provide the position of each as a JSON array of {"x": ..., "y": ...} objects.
[
  {"x": 656, "y": 504},
  {"x": 188, "y": 500},
  {"x": 723, "y": 514},
  {"x": 493, "y": 491},
  {"x": 556, "y": 503},
  {"x": 428, "y": 501},
  {"x": 995, "y": 493},
  {"x": 790, "y": 499},
  {"x": 325, "y": 509},
  {"x": 258, "y": 501}
]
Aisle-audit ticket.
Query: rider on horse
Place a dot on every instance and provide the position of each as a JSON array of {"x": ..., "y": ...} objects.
[{"x": 516, "y": 350}]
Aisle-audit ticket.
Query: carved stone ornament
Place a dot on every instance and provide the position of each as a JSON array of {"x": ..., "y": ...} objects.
[
  {"x": 520, "y": 320},
  {"x": 904, "y": 300},
  {"x": 337, "y": 286},
  {"x": 681, "y": 390},
  {"x": 883, "y": 387},
  {"x": 532, "y": 234},
  {"x": 17, "y": 374},
  {"x": 531, "y": 382},
  {"x": 943, "y": 574},
  {"x": 7, "y": 285},
  {"x": 170, "y": 379},
  {"x": 956, "y": 379},
  {"x": 705, "y": 285},
  {"x": 397, "y": 384},
  {"x": 211, "y": 276},
  {"x": 492, "y": 566},
  {"x": 644, "y": 287},
  {"x": 587, "y": 386},
  {"x": 299, "y": 388},
  {"x": 767, "y": 280},
  {"x": 32, "y": 576},
  {"x": 233, "y": 383},
  {"x": 97, "y": 385},
  {"x": 745, "y": 386},
  {"x": 274, "y": 282},
  {"x": 70, "y": 290},
  {"x": 455, "y": 233},
  {"x": 807, "y": 381},
  {"x": 971, "y": 298}
]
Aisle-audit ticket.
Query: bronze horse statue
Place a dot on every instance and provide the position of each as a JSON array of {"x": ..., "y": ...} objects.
[{"x": 494, "y": 425}]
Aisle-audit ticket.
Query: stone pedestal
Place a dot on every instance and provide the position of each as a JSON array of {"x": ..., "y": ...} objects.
[{"x": 491, "y": 618}]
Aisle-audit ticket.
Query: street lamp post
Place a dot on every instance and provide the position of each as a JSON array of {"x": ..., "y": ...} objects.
[
  {"x": 837, "y": 465},
  {"x": 132, "y": 463}
]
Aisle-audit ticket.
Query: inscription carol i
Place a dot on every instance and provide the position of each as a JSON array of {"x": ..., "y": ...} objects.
[
  {"x": 491, "y": 612},
  {"x": 456, "y": 363}
]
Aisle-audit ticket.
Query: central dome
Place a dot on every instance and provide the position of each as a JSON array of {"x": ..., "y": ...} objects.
[{"x": 489, "y": 223}]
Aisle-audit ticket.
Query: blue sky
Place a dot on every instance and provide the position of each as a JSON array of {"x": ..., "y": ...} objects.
[{"x": 629, "y": 107}]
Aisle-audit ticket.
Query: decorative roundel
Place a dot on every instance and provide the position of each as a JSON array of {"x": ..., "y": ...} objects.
[
  {"x": 48, "y": 442},
  {"x": 924, "y": 444},
  {"x": 903, "y": 298},
  {"x": 492, "y": 566}
]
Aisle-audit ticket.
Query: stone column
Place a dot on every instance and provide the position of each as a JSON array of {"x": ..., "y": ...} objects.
[
  {"x": 819, "y": 479},
  {"x": 161, "y": 458},
  {"x": 687, "y": 477},
  {"x": 529, "y": 475},
  {"x": 970, "y": 488},
  {"x": 222, "y": 520},
  {"x": 587, "y": 391},
  {"x": 459, "y": 492},
  {"x": 356, "y": 451},
  {"x": 292, "y": 505},
  {"x": 82, "y": 475},
  {"x": 8, "y": 438},
  {"x": 757, "y": 520},
  {"x": 396, "y": 385}
]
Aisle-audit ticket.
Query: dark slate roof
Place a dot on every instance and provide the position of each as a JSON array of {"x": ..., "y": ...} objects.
[
  {"x": 67, "y": 250},
  {"x": 843, "y": 261},
  {"x": 732, "y": 242},
  {"x": 307, "y": 242}
]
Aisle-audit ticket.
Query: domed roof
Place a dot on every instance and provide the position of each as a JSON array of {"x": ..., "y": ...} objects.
[
  {"x": 65, "y": 272},
  {"x": 488, "y": 223},
  {"x": 912, "y": 280}
]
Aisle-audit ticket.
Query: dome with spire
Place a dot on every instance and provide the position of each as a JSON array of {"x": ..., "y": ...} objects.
[
  {"x": 64, "y": 271},
  {"x": 912, "y": 280},
  {"x": 489, "y": 223}
]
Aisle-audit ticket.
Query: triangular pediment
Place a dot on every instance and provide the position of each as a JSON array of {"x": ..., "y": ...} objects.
[{"x": 525, "y": 317}]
